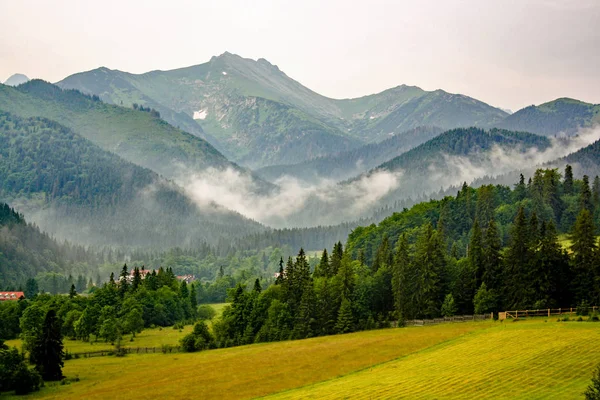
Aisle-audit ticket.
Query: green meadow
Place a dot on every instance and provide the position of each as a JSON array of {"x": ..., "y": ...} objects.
[{"x": 535, "y": 358}]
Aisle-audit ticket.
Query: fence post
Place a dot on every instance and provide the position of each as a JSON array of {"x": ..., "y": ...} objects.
[{"x": 548, "y": 313}]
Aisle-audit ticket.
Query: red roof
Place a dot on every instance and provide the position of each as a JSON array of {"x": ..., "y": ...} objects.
[{"x": 11, "y": 295}]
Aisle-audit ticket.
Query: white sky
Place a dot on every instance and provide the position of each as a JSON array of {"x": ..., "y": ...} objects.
[{"x": 509, "y": 53}]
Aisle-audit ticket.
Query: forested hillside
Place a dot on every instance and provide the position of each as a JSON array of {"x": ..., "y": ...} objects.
[
  {"x": 26, "y": 252},
  {"x": 488, "y": 249},
  {"x": 563, "y": 115},
  {"x": 347, "y": 164},
  {"x": 77, "y": 191},
  {"x": 140, "y": 137}
]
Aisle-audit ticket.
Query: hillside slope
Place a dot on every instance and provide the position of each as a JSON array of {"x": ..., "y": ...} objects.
[
  {"x": 347, "y": 164},
  {"x": 137, "y": 136},
  {"x": 77, "y": 191},
  {"x": 563, "y": 115}
]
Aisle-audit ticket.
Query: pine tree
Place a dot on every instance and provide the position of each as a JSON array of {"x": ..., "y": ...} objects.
[
  {"x": 520, "y": 191},
  {"x": 257, "y": 288},
  {"x": 584, "y": 259},
  {"x": 517, "y": 260},
  {"x": 137, "y": 279},
  {"x": 345, "y": 321},
  {"x": 585, "y": 197},
  {"x": 322, "y": 269},
  {"x": 193, "y": 300},
  {"x": 72, "y": 292},
  {"x": 123, "y": 282},
  {"x": 475, "y": 253},
  {"x": 492, "y": 258},
  {"x": 281, "y": 276},
  {"x": 402, "y": 285},
  {"x": 336, "y": 258},
  {"x": 568, "y": 181},
  {"x": 47, "y": 353},
  {"x": 430, "y": 265},
  {"x": 305, "y": 318}
]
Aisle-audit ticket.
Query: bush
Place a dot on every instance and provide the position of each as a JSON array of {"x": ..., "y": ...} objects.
[
  {"x": 199, "y": 339},
  {"x": 206, "y": 312},
  {"x": 583, "y": 308},
  {"x": 26, "y": 380},
  {"x": 593, "y": 391},
  {"x": 594, "y": 317}
]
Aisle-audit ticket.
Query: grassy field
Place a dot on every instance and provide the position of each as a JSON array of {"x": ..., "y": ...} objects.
[
  {"x": 248, "y": 371},
  {"x": 526, "y": 359},
  {"x": 148, "y": 338}
]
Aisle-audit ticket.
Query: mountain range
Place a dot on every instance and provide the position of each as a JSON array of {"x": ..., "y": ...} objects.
[
  {"x": 133, "y": 133},
  {"x": 247, "y": 108}
]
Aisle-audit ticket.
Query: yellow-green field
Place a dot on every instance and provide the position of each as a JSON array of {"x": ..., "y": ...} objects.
[
  {"x": 247, "y": 371},
  {"x": 524, "y": 359},
  {"x": 529, "y": 360}
]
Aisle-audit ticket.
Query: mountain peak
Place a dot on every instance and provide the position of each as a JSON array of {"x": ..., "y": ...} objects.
[{"x": 16, "y": 80}]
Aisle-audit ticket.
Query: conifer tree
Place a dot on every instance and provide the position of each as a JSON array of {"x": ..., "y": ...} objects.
[
  {"x": 257, "y": 288},
  {"x": 429, "y": 265},
  {"x": 336, "y": 258},
  {"x": 281, "y": 276},
  {"x": 193, "y": 300},
  {"x": 585, "y": 256},
  {"x": 492, "y": 258},
  {"x": 305, "y": 318},
  {"x": 476, "y": 253},
  {"x": 520, "y": 192},
  {"x": 137, "y": 279},
  {"x": 47, "y": 353},
  {"x": 72, "y": 292},
  {"x": 517, "y": 260},
  {"x": 123, "y": 282},
  {"x": 568, "y": 181},
  {"x": 402, "y": 284},
  {"x": 322, "y": 269},
  {"x": 345, "y": 321},
  {"x": 585, "y": 196}
]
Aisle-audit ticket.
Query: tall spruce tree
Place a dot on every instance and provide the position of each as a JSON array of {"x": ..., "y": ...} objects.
[
  {"x": 47, "y": 353},
  {"x": 322, "y": 269},
  {"x": 585, "y": 257},
  {"x": 403, "y": 284},
  {"x": 475, "y": 253},
  {"x": 430, "y": 265},
  {"x": 568, "y": 181},
  {"x": 336, "y": 258},
  {"x": 492, "y": 256},
  {"x": 516, "y": 279}
]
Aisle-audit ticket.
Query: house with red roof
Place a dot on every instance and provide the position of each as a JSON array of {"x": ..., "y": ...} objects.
[{"x": 4, "y": 296}]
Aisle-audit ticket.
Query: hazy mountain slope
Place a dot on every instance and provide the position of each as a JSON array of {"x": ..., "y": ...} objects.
[
  {"x": 25, "y": 251},
  {"x": 137, "y": 136},
  {"x": 559, "y": 116},
  {"x": 436, "y": 108},
  {"x": 76, "y": 190},
  {"x": 585, "y": 161},
  {"x": 264, "y": 132},
  {"x": 347, "y": 164},
  {"x": 16, "y": 80},
  {"x": 208, "y": 92},
  {"x": 239, "y": 103}
]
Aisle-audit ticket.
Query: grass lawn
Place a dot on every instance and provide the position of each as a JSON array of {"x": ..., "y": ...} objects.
[
  {"x": 522, "y": 360},
  {"x": 247, "y": 371}
]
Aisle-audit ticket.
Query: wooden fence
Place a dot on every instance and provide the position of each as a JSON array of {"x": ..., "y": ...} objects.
[
  {"x": 448, "y": 320},
  {"x": 544, "y": 312},
  {"x": 126, "y": 350}
]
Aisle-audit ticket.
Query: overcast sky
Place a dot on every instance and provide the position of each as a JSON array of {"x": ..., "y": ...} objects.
[{"x": 509, "y": 53}]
